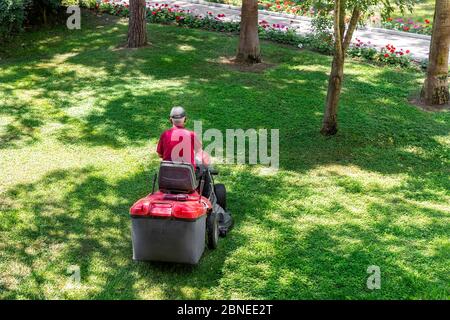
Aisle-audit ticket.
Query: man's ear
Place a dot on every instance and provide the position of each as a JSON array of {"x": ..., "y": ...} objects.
[{"x": 170, "y": 120}]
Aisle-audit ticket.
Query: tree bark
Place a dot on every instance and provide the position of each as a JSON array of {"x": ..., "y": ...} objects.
[
  {"x": 342, "y": 41},
  {"x": 137, "y": 25},
  {"x": 329, "y": 124},
  {"x": 435, "y": 88},
  {"x": 44, "y": 14},
  {"x": 248, "y": 49}
]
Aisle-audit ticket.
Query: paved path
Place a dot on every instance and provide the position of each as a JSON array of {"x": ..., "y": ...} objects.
[{"x": 417, "y": 44}]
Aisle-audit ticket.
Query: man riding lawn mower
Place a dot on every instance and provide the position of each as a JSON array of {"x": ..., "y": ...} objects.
[{"x": 172, "y": 223}]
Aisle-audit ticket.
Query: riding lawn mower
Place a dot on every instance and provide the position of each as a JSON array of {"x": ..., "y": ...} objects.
[{"x": 187, "y": 213}]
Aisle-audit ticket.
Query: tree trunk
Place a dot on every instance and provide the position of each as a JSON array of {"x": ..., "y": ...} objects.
[
  {"x": 329, "y": 125},
  {"x": 248, "y": 49},
  {"x": 341, "y": 42},
  {"x": 435, "y": 88},
  {"x": 137, "y": 26},
  {"x": 44, "y": 14}
]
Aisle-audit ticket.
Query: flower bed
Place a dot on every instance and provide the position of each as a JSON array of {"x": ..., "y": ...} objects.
[
  {"x": 387, "y": 55},
  {"x": 409, "y": 25},
  {"x": 173, "y": 14},
  {"x": 298, "y": 8}
]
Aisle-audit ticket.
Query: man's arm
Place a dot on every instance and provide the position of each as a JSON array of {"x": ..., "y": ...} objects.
[
  {"x": 197, "y": 143},
  {"x": 160, "y": 147}
]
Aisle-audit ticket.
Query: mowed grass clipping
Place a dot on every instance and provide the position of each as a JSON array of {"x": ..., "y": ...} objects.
[{"x": 79, "y": 120}]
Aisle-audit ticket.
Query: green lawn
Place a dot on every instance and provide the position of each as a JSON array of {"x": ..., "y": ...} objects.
[
  {"x": 79, "y": 120},
  {"x": 424, "y": 9}
]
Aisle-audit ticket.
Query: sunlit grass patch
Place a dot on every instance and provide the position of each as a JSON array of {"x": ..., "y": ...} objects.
[{"x": 79, "y": 121}]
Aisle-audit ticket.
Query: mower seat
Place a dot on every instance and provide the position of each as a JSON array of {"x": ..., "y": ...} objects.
[{"x": 176, "y": 177}]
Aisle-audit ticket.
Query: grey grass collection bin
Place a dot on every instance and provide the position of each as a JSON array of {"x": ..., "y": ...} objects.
[
  {"x": 170, "y": 224},
  {"x": 170, "y": 240}
]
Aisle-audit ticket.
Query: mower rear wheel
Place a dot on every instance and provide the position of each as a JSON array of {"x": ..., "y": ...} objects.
[
  {"x": 221, "y": 195},
  {"x": 212, "y": 230}
]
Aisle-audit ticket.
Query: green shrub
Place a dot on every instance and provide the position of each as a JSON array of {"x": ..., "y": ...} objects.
[
  {"x": 17, "y": 14},
  {"x": 81, "y": 3},
  {"x": 12, "y": 17},
  {"x": 67, "y": 3},
  {"x": 321, "y": 39},
  {"x": 88, "y": 3},
  {"x": 319, "y": 43},
  {"x": 43, "y": 12}
]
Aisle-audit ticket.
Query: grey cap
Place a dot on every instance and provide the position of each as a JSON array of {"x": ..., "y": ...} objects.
[{"x": 177, "y": 112}]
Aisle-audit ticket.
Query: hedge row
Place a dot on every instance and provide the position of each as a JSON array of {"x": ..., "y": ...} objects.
[{"x": 17, "y": 15}]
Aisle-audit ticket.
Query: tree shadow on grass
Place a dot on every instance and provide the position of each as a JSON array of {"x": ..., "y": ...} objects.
[
  {"x": 323, "y": 252},
  {"x": 268, "y": 255},
  {"x": 45, "y": 43},
  {"x": 128, "y": 111},
  {"x": 23, "y": 126},
  {"x": 87, "y": 224},
  {"x": 63, "y": 228},
  {"x": 75, "y": 73},
  {"x": 274, "y": 251}
]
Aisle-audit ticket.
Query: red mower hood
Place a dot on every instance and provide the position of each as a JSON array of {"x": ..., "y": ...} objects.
[{"x": 178, "y": 206}]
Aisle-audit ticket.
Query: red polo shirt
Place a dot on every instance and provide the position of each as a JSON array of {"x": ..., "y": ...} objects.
[{"x": 178, "y": 144}]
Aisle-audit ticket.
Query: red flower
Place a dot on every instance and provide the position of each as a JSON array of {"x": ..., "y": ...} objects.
[
  {"x": 407, "y": 51},
  {"x": 386, "y": 55},
  {"x": 427, "y": 21}
]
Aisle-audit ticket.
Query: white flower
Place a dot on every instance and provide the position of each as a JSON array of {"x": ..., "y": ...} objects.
[{"x": 300, "y": 45}]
